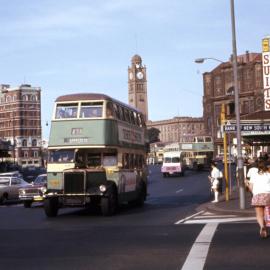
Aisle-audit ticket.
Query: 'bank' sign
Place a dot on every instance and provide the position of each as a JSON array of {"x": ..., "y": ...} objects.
[{"x": 266, "y": 73}]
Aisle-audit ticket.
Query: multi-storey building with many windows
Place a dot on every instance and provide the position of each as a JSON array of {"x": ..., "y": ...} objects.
[
  {"x": 20, "y": 123},
  {"x": 178, "y": 129},
  {"x": 219, "y": 89}
]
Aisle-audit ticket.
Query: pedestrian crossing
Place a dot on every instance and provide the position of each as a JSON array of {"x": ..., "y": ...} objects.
[
  {"x": 11, "y": 205},
  {"x": 205, "y": 217}
]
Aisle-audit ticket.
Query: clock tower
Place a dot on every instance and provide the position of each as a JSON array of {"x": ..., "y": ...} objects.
[{"x": 137, "y": 85}]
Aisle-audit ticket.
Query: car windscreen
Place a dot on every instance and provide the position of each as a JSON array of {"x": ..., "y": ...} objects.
[
  {"x": 172, "y": 160},
  {"x": 64, "y": 156},
  {"x": 41, "y": 179}
]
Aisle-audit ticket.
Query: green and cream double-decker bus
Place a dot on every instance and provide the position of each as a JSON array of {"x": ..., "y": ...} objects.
[{"x": 96, "y": 154}]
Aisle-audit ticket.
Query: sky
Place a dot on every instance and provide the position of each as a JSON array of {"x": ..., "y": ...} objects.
[{"x": 76, "y": 46}]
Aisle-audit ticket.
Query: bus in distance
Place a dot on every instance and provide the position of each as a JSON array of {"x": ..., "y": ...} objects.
[{"x": 96, "y": 154}]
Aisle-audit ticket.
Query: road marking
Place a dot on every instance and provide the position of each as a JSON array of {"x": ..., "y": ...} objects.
[
  {"x": 198, "y": 253},
  {"x": 203, "y": 216},
  {"x": 185, "y": 219},
  {"x": 179, "y": 190},
  {"x": 219, "y": 220}
]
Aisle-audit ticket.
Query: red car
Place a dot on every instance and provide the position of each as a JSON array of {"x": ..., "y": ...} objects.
[{"x": 34, "y": 192}]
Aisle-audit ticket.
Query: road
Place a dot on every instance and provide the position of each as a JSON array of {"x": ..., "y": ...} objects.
[{"x": 158, "y": 236}]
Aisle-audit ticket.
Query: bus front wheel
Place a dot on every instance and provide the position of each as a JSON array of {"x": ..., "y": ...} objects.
[
  {"x": 108, "y": 204},
  {"x": 51, "y": 207}
]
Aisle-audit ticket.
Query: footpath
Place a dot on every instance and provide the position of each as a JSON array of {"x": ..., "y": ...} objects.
[{"x": 232, "y": 206}]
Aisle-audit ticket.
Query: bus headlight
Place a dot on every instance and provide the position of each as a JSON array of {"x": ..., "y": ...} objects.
[{"x": 102, "y": 188}]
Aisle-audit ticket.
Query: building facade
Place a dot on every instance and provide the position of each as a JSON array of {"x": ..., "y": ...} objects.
[
  {"x": 179, "y": 129},
  {"x": 137, "y": 85},
  {"x": 20, "y": 123},
  {"x": 219, "y": 89}
]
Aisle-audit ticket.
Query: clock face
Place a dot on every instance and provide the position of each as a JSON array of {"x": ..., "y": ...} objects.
[
  {"x": 139, "y": 75},
  {"x": 130, "y": 75}
]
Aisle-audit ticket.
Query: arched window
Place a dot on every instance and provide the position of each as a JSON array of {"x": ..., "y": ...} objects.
[
  {"x": 34, "y": 142},
  {"x": 35, "y": 154},
  {"x": 25, "y": 154},
  {"x": 34, "y": 98},
  {"x": 24, "y": 143},
  {"x": 25, "y": 98}
]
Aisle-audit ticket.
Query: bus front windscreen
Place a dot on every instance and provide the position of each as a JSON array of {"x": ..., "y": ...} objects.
[
  {"x": 65, "y": 156},
  {"x": 172, "y": 160}
]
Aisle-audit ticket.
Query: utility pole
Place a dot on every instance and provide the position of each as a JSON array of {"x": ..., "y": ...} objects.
[{"x": 237, "y": 116}]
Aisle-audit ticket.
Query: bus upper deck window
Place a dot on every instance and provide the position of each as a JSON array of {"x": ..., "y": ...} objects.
[
  {"x": 109, "y": 110},
  {"x": 66, "y": 111},
  {"x": 91, "y": 110}
]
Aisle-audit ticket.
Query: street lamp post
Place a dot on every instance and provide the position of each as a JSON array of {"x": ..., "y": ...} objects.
[
  {"x": 240, "y": 166},
  {"x": 201, "y": 60}
]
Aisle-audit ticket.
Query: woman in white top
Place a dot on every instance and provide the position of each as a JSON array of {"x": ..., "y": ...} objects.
[
  {"x": 215, "y": 175},
  {"x": 259, "y": 184}
]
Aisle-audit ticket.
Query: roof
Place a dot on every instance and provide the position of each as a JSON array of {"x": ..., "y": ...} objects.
[{"x": 91, "y": 96}]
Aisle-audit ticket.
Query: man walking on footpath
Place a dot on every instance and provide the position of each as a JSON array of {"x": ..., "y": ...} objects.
[{"x": 214, "y": 179}]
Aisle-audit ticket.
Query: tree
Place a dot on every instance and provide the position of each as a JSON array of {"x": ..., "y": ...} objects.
[{"x": 153, "y": 134}]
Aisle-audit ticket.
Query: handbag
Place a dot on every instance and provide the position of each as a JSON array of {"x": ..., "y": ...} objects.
[{"x": 267, "y": 215}]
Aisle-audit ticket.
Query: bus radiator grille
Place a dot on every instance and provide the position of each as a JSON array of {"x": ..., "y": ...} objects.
[{"x": 74, "y": 183}]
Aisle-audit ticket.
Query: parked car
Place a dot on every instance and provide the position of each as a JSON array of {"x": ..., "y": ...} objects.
[
  {"x": 9, "y": 187},
  {"x": 34, "y": 192},
  {"x": 13, "y": 173}
]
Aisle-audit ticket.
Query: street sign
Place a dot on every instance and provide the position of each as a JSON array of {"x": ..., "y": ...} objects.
[{"x": 249, "y": 129}]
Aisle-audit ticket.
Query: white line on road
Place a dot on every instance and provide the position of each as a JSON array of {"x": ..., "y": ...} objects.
[
  {"x": 184, "y": 219},
  {"x": 179, "y": 190},
  {"x": 215, "y": 216},
  {"x": 219, "y": 220},
  {"x": 198, "y": 253}
]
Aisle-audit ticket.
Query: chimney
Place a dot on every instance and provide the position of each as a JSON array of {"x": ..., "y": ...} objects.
[{"x": 247, "y": 56}]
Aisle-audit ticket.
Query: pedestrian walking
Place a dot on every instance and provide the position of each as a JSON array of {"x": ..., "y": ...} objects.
[
  {"x": 214, "y": 177},
  {"x": 252, "y": 170},
  {"x": 259, "y": 185}
]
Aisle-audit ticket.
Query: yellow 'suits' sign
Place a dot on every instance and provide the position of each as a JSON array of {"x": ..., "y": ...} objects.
[{"x": 266, "y": 72}]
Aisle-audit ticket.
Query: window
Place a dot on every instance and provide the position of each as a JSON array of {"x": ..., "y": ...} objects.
[
  {"x": 109, "y": 110},
  {"x": 116, "y": 111},
  {"x": 91, "y": 110},
  {"x": 25, "y": 98},
  {"x": 61, "y": 156},
  {"x": 34, "y": 98},
  {"x": 35, "y": 154},
  {"x": 24, "y": 143},
  {"x": 66, "y": 111},
  {"x": 34, "y": 142},
  {"x": 126, "y": 113},
  {"x": 93, "y": 160},
  {"x": 25, "y": 154},
  {"x": 109, "y": 160}
]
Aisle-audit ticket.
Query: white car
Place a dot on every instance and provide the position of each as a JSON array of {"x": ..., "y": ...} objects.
[{"x": 9, "y": 187}]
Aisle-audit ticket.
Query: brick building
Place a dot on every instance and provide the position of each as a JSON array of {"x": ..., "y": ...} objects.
[
  {"x": 20, "y": 123},
  {"x": 218, "y": 90}
]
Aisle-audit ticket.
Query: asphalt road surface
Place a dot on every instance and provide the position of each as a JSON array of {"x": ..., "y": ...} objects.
[{"x": 152, "y": 237}]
